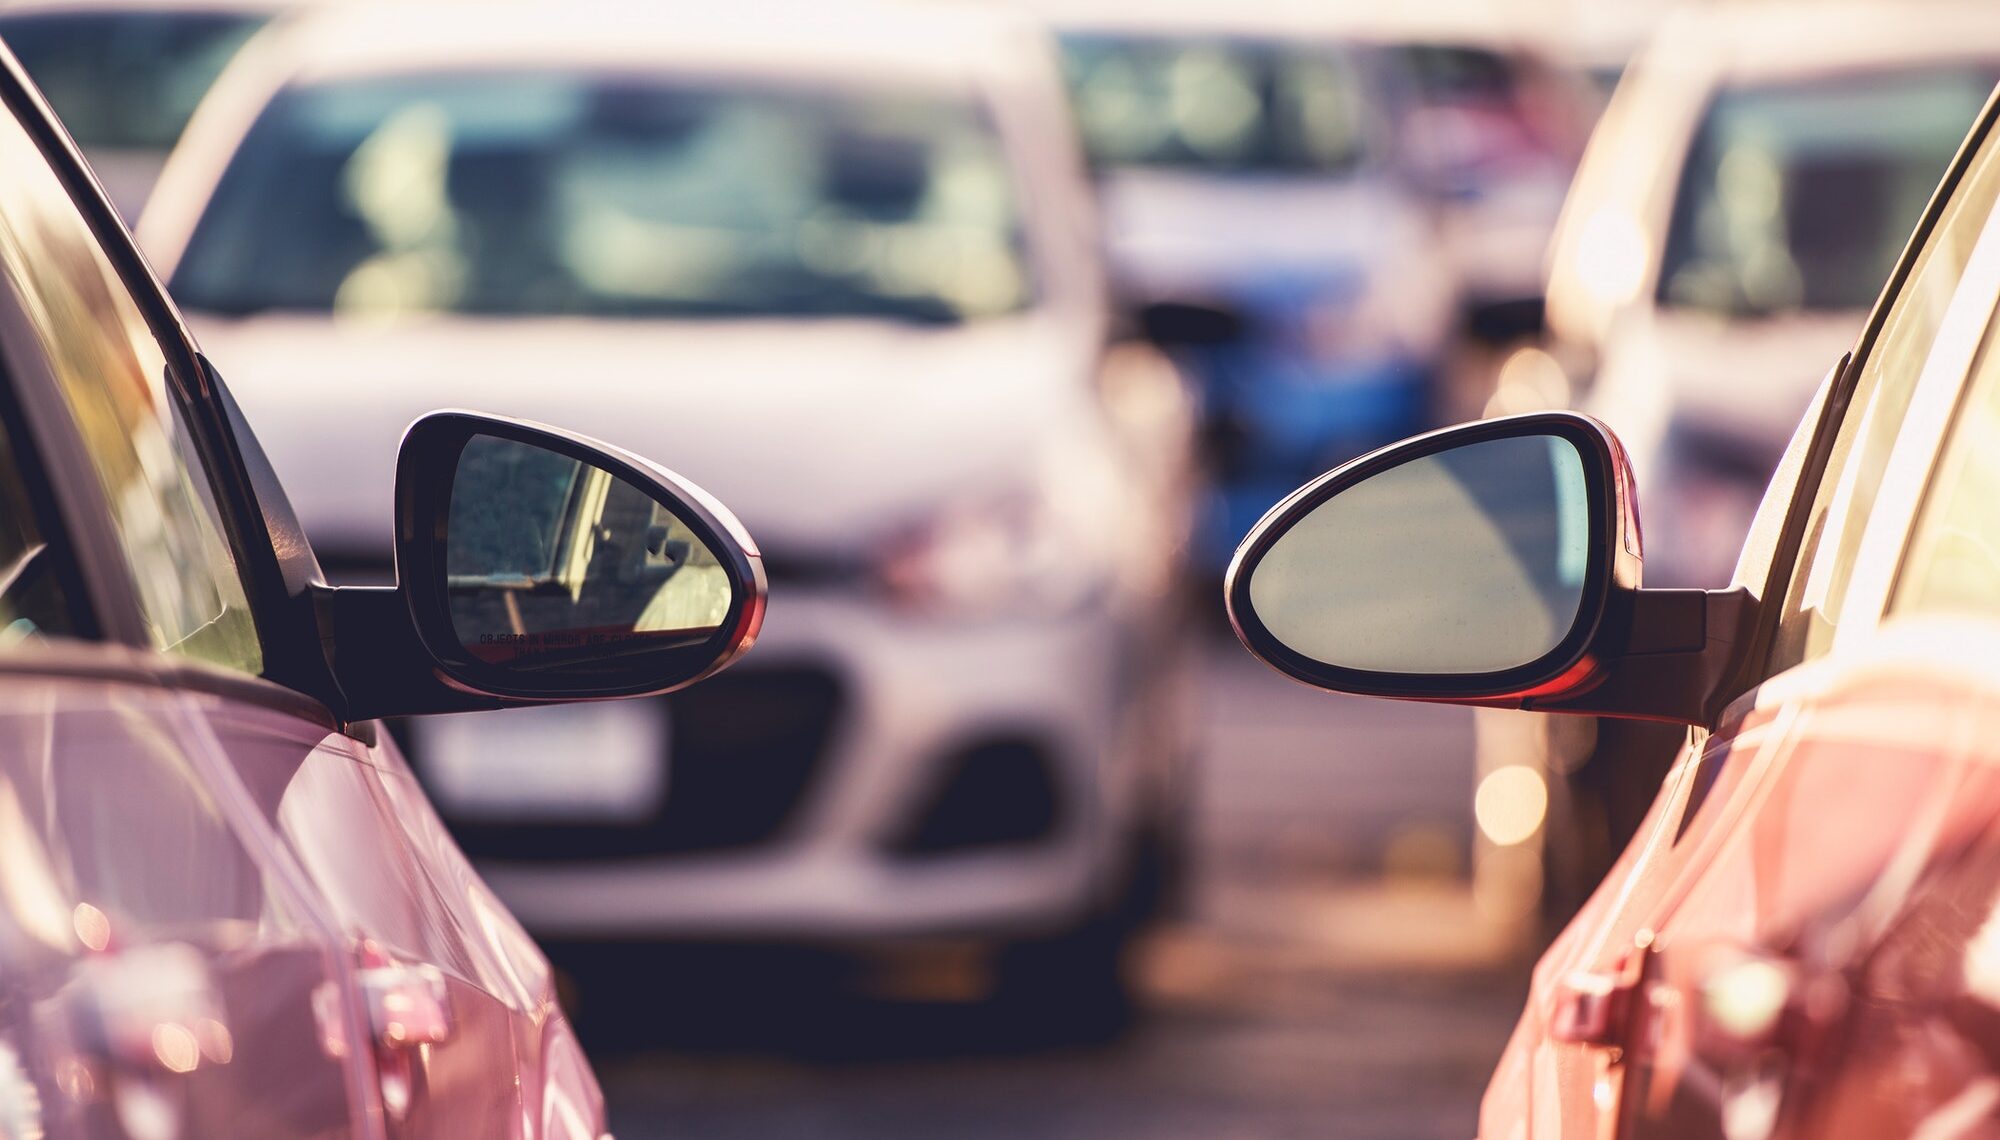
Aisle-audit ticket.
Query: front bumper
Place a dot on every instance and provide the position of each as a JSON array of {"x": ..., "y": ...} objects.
[{"x": 913, "y": 696}]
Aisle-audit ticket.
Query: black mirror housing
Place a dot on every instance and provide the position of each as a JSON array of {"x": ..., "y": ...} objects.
[
  {"x": 1628, "y": 652},
  {"x": 573, "y": 621}
]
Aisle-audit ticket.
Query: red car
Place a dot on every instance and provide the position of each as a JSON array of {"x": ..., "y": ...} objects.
[
  {"x": 226, "y": 908},
  {"x": 1804, "y": 938}
]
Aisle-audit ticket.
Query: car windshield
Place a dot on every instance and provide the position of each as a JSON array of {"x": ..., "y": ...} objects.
[
  {"x": 126, "y": 79},
  {"x": 1800, "y": 196},
  {"x": 1218, "y": 105},
  {"x": 556, "y": 194}
]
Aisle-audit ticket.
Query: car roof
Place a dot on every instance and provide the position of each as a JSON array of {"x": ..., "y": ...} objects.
[
  {"x": 1789, "y": 39},
  {"x": 881, "y": 41}
]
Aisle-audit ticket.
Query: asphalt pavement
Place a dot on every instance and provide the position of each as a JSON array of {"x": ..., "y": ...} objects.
[{"x": 1332, "y": 980}]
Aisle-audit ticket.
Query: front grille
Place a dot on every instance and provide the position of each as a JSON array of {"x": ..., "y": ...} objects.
[{"x": 746, "y": 746}]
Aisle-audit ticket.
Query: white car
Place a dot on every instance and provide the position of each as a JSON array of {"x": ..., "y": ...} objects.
[
  {"x": 844, "y": 247},
  {"x": 1744, "y": 195}
]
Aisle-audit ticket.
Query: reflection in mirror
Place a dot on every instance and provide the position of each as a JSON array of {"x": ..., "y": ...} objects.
[
  {"x": 549, "y": 560},
  {"x": 1468, "y": 560}
]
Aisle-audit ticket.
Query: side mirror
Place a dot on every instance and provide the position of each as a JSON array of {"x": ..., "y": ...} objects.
[
  {"x": 534, "y": 565},
  {"x": 1496, "y": 563}
]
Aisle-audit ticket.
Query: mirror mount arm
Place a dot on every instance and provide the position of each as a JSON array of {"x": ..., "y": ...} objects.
[
  {"x": 1676, "y": 651},
  {"x": 379, "y": 663}
]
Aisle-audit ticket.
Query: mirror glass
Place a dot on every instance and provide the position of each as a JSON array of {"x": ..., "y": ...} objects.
[
  {"x": 550, "y": 561},
  {"x": 1469, "y": 560}
]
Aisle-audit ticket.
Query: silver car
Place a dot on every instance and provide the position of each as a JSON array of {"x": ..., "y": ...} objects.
[{"x": 840, "y": 265}]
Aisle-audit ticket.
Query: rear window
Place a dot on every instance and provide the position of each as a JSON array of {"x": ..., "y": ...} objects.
[
  {"x": 1221, "y": 105},
  {"x": 126, "y": 79},
  {"x": 559, "y": 194},
  {"x": 1800, "y": 196}
]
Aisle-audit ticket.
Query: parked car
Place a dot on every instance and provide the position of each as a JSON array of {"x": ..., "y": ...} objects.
[
  {"x": 1799, "y": 942},
  {"x": 1246, "y": 161},
  {"x": 125, "y": 75},
  {"x": 839, "y": 263},
  {"x": 1751, "y": 181},
  {"x": 1492, "y": 118},
  {"x": 227, "y": 908}
]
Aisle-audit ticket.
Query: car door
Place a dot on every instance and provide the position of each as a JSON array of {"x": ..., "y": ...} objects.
[
  {"x": 1730, "y": 854},
  {"x": 166, "y": 971},
  {"x": 1887, "y": 778},
  {"x": 420, "y": 926},
  {"x": 447, "y": 1010}
]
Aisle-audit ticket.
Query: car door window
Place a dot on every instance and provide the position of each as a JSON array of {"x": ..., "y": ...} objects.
[
  {"x": 1952, "y": 564},
  {"x": 91, "y": 335},
  {"x": 33, "y": 600},
  {"x": 1889, "y": 372}
]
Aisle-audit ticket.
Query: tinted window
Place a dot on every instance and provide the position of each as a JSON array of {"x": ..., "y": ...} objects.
[
  {"x": 32, "y": 571},
  {"x": 126, "y": 79},
  {"x": 1888, "y": 377},
  {"x": 90, "y": 334},
  {"x": 1218, "y": 105},
  {"x": 557, "y": 194},
  {"x": 1801, "y": 196}
]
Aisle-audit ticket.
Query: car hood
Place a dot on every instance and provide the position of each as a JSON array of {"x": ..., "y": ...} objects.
[
  {"x": 1175, "y": 234},
  {"x": 817, "y": 434},
  {"x": 1746, "y": 381}
]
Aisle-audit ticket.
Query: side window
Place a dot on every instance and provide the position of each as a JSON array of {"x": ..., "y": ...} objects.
[
  {"x": 33, "y": 602},
  {"x": 1889, "y": 373},
  {"x": 112, "y": 373},
  {"x": 1952, "y": 563}
]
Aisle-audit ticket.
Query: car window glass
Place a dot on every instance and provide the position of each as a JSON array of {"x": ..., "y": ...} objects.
[
  {"x": 1760, "y": 546},
  {"x": 126, "y": 80},
  {"x": 557, "y": 193},
  {"x": 1217, "y": 105},
  {"x": 112, "y": 373},
  {"x": 33, "y": 602},
  {"x": 1799, "y": 196},
  {"x": 1889, "y": 372},
  {"x": 1953, "y": 559}
]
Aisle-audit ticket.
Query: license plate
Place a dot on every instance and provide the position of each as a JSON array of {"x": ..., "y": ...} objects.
[{"x": 603, "y": 762}]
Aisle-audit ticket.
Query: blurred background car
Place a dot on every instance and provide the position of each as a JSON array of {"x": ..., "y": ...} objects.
[
  {"x": 846, "y": 248},
  {"x": 1799, "y": 945},
  {"x": 124, "y": 75},
  {"x": 1748, "y": 188},
  {"x": 1356, "y": 189},
  {"x": 1246, "y": 162}
]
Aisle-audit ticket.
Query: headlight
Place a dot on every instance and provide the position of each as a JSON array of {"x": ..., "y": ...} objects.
[
  {"x": 1045, "y": 547},
  {"x": 1001, "y": 554}
]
